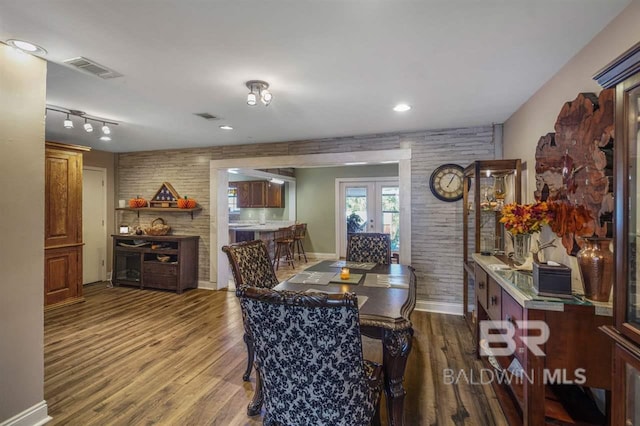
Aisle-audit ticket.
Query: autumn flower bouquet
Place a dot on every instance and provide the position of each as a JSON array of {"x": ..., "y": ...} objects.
[{"x": 526, "y": 218}]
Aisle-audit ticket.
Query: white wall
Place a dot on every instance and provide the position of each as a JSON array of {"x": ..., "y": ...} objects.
[
  {"x": 538, "y": 115},
  {"x": 22, "y": 107}
]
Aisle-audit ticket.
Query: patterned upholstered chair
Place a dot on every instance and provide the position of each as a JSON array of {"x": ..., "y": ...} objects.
[
  {"x": 309, "y": 358},
  {"x": 369, "y": 247},
  {"x": 251, "y": 266}
]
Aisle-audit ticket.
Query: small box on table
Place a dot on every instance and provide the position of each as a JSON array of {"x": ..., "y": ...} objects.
[{"x": 552, "y": 280}]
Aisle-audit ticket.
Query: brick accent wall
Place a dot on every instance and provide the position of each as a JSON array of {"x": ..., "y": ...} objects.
[{"x": 436, "y": 225}]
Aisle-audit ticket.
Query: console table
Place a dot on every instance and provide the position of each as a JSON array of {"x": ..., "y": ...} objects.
[
  {"x": 138, "y": 261},
  {"x": 574, "y": 343}
]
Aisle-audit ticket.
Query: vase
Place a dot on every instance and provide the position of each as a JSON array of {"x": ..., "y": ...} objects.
[
  {"x": 521, "y": 247},
  {"x": 595, "y": 262}
]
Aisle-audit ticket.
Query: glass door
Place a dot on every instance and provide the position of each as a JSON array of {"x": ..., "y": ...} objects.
[{"x": 369, "y": 206}]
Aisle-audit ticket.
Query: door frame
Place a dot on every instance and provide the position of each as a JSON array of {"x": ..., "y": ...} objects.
[
  {"x": 103, "y": 171},
  {"x": 219, "y": 181},
  {"x": 340, "y": 203}
]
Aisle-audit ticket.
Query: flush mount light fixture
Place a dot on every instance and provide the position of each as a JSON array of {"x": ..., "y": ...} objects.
[
  {"x": 25, "y": 46},
  {"x": 88, "y": 127},
  {"x": 401, "y": 108},
  {"x": 226, "y": 127},
  {"x": 258, "y": 89},
  {"x": 234, "y": 171}
]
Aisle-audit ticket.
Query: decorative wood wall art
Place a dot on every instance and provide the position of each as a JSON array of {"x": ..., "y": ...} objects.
[
  {"x": 166, "y": 196},
  {"x": 574, "y": 165}
]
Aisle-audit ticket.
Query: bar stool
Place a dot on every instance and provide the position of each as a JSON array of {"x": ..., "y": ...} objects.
[
  {"x": 284, "y": 238},
  {"x": 298, "y": 236}
]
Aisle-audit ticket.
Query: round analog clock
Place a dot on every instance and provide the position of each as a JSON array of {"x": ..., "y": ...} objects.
[{"x": 446, "y": 182}]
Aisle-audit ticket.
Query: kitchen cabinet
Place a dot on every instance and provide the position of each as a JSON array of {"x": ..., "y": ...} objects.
[
  {"x": 63, "y": 224},
  {"x": 624, "y": 74},
  {"x": 259, "y": 193}
]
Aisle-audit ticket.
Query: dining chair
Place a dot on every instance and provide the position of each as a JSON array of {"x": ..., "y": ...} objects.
[
  {"x": 308, "y": 358},
  {"x": 369, "y": 247},
  {"x": 284, "y": 240},
  {"x": 298, "y": 245},
  {"x": 251, "y": 266}
]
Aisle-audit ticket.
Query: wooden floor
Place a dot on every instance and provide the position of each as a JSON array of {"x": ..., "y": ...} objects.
[{"x": 143, "y": 357}]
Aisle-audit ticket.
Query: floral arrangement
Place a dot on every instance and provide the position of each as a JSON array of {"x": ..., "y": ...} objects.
[{"x": 526, "y": 218}]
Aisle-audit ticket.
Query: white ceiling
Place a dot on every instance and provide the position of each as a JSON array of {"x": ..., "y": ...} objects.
[{"x": 336, "y": 68}]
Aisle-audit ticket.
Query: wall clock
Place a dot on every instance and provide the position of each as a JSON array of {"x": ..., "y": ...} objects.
[{"x": 446, "y": 182}]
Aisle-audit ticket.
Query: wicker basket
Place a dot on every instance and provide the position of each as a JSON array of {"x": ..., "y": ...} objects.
[{"x": 158, "y": 227}]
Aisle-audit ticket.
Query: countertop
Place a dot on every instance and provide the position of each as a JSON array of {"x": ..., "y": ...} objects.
[
  {"x": 255, "y": 227},
  {"x": 519, "y": 285}
]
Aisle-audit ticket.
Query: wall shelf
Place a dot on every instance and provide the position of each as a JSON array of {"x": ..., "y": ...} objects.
[{"x": 160, "y": 209}]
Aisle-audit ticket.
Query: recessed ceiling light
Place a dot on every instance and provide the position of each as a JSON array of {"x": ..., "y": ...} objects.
[
  {"x": 402, "y": 107},
  {"x": 226, "y": 127},
  {"x": 105, "y": 138},
  {"x": 27, "y": 47},
  {"x": 234, "y": 171}
]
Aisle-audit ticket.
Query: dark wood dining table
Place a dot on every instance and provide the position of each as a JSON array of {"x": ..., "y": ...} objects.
[{"x": 384, "y": 316}]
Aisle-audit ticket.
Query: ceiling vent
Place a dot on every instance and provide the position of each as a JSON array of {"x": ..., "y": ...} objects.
[
  {"x": 87, "y": 65},
  {"x": 206, "y": 115}
]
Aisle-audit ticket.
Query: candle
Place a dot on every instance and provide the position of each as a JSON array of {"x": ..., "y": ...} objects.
[{"x": 344, "y": 274}]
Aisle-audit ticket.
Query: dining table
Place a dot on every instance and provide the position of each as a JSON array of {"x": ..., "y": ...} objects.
[{"x": 386, "y": 297}]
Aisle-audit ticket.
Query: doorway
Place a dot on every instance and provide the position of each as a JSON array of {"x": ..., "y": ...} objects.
[
  {"x": 219, "y": 180},
  {"x": 367, "y": 205},
  {"x": 94, "y": 229}
]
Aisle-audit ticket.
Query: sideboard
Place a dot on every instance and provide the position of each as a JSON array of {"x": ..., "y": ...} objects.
[
  {"x": 167, "y": 262},
  {"x": 533, "y": 386}
]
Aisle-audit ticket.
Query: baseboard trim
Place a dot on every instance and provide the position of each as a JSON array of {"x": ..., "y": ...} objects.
[
  {"x": 322, "y": 256},
  {"x": 439, "y": 307},
  {"x": 33, "y": 416},
  {"x": 206, "y": 285}
]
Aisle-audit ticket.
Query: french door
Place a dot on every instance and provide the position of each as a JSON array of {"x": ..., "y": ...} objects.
[{"x": 367, "y": 205}]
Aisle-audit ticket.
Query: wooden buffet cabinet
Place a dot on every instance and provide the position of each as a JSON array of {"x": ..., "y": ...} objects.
[
  {"x": 575, "y": 351},
  {"x": 136, "y": 261},
  {"x": 63, "y": 224},
  {"x": 624, "y": 74}
]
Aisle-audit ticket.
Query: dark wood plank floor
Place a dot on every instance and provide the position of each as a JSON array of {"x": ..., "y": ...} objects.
[{"x": 132, "y": 357}]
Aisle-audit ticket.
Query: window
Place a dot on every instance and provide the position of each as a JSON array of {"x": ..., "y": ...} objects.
[{"x": 232, "y": 199}]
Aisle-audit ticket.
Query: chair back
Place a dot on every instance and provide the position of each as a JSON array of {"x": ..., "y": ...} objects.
[
  {"x": 285, "y": 234},
  {"x": 308, "y": 351},
  {"x": 369, "y": 247},
  {"x": 300, "y": 231},
  {"x": 251, "y": 264}
]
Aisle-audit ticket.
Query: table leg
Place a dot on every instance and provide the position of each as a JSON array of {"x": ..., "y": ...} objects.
[{"x": 396, "y": 346}]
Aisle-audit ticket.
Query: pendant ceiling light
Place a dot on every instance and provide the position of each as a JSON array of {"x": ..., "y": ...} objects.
[{"x": 258, "y": 88}]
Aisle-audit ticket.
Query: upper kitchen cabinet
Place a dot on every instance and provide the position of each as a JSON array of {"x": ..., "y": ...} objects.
[{"x": 259, "y": 193}]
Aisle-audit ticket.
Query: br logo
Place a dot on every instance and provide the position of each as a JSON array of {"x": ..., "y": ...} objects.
[{"x": 503, "y": 332}]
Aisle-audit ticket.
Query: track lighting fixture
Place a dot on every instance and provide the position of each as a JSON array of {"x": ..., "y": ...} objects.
[
  {"x": 68, "y": 124},
  {"x": 88, "y": 127},
  {"x": 258, "y": 88}
]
